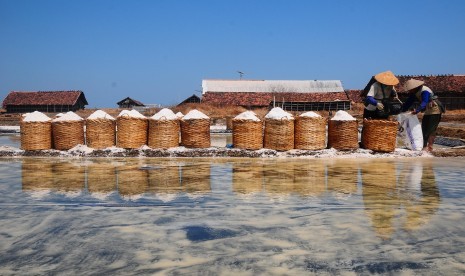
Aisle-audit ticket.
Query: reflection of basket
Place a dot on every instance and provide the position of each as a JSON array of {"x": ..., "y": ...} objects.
[
  {"x": 279, "y": 134},
  {"x": 195, "y": 133},
  {"x": 163, "y": 134},
  {"x": 310, "y": 178},
  {"x": 279, "y": 178},
  {"x": 342, "y": 176},
  {"x": 379, "y": 135},
  {"x": 100, "y": 133},
  {"x": 101, "y": 178},
  {"x": 247, "y": 178},
  {"x": 131, "y": 132},
  {"x": 132, "y": 180},
  {"x": 36, "y": 175},
  {"x": 247, "y": 134},
  {"x": 343, "y": 135},
  {"x": 310, "y": 133},
  {"x": 68, "y": 176},
  {"x": 196, "y": 178},
  {"x": 67, "y": 134},
  {"x": 165, "y": 180},
  {"x": 379, "y": 173},
  {"x": 36, "y": 135}
]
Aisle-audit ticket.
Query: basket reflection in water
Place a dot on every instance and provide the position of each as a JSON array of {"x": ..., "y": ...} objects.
[
  {"x": 101, "y": 177},
  {"x": 342, "y": 176}
]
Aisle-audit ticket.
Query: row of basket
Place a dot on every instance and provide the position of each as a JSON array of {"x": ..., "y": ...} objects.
[{"x": 308, "y": 133}]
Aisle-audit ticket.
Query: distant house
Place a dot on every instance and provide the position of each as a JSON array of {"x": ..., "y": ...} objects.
[
  {"x": 291, "y": 95},
  {"x": 129, "y": 103},
  {"x": 192, "y": 99},
  {"x": 44, "y": 101}
]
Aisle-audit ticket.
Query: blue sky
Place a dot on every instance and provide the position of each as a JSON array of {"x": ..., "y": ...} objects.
[{"x": 159, "y": 51}]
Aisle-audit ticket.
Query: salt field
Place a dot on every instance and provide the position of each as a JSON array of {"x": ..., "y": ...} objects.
[{"x": 221, "y": 216}]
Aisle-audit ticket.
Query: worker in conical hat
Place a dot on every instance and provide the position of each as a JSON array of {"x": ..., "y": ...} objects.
[
  {"x": 429, "y": 104},
  {"x": 379, "y": 88}
]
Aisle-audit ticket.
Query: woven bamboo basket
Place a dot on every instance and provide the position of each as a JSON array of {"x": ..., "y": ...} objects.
[
  {"x": 36, "y": 175},
  {"x": 379, "y": 135},
  {"x": 343, "y": 135},
  {"x": 163, "y": 134},
  {"x": 131, "y": 132},
  {"x": 36, "y": 135},
  {"x": 101, "y": 177},
  {"x": 195, "y": 133},
  {"x": 279, "y": 134},
  {"x": 67, "y": 134},
  {"x": 247, "y": 134},
  {"x": 132, "y": 180},
  {"x": 100, "y": 133},
  {"x": 310, "y": 133}
]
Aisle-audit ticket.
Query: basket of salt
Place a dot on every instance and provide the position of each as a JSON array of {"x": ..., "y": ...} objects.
[
  {"x": 195, "y": 130},
  {"x": 379, "y": 135},
  {"x": 310, "y": 131},
  {"x": 163, "y": 130},
  {"x": 131, "y": 129},
  {"x": 100, "y": 130},
  {"x": 68, "y": 131},
  {"x": 279, "y": 130},
  {"x": 36, "y": 131},
  {"x": 343, "y": 131},
  {"x": 247, "y": 131}
]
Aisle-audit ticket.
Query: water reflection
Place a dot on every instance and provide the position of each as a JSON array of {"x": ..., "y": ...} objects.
[{"x": 392, "y": 193}]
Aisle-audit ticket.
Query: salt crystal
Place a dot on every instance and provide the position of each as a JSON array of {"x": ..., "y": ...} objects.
[
  {"x": 341, "y": 115},
  {"x": 310, "y": 114},
  {"x": 165, "y": 114},
  {"x": 131, "y": 113},
  {"x": 179, "y": 114},
  {"x": 36, "y": 116},
  {"x": 278, "y": 113},
  {"x": 248, "y": 115},
  {"x": 100, "y": 114},
  {"x": 68, "y": 116},
  {"x": 195, "y": 114}
]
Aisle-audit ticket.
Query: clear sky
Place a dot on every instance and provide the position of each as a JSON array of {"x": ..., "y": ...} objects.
[{"x": 159, "y": 51}]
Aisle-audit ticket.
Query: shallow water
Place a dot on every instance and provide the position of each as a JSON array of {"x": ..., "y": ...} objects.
[{"x": 223, "y": 216}]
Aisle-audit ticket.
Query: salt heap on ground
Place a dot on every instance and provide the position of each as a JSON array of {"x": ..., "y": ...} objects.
[
  {"x": 68, "y": 116},
  {"x": 100, "y": 114},
  {"x": 131, "y": 113},
  {"x": 247, "y": 115},
  {"x": 310, "y": 114},
  {"x": 195, "y": 114},
  {"x": 279, "y": 114},
  {"x": 165, "y": 114},
  {"x": 35, "y": 116},
  {"x": 179, "y": 114},
  {"x": 341, "y": 115}
]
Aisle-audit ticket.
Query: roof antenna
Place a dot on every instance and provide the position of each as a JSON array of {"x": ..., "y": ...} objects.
[{"x": 240, "y": 74}]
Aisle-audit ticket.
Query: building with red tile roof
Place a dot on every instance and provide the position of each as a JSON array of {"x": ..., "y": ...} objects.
[{"x": 44, "y": 101}]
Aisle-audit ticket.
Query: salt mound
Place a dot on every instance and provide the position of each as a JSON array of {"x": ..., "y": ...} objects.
[
  {"x": 165, "y": 114},
  {"x": 59, "y": 115},
  {"x": 100, "y": 114},
  {"x": 341, "y": 115},
  {"x": 179, "y": 114},
  {"x": 310, "y": 114},
  {"x": 131, "y": 113},
  {"x": 195, "y": 114},
  {"x": 35, "y": 116},
  {"x": 68, "y": 116},
  {"x": 278, "y": 113},
  {"x": 247, "y": 115}
]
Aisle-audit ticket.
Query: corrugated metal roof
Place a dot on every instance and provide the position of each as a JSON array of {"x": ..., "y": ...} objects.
[{"x": 271, "y": 86}]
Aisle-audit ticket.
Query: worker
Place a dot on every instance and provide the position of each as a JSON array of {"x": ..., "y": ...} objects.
[
  {"x": 429, "y": 104},
  {"x": 380, "y": 88}
]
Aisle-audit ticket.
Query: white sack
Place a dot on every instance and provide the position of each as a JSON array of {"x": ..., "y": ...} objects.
[{"x": 410, "y": 131}]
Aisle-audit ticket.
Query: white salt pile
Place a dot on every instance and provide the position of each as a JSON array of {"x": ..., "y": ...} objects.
[
  {"x": 278, "y": 113},
  {"x": 35, "y": 116},
  {"x": 310, "y": 114},
  {"x": 195, "y": 114},
  {"x": 247, "y": 115},
  {"x": 179, "y": 114},
  {"x": 165, "y": 114},
  {"x": 341, "y": 115},
  {"x": 131, "y": 113},
  {"x": 59, "y": 115},
  {"x": 68, "y": 116},
  {"x": 100, "y": 114}
]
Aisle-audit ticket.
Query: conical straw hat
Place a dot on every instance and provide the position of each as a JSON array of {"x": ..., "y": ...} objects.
[
  {"x": 387, "y": 78},
  {"x": 412, "y": 84}
]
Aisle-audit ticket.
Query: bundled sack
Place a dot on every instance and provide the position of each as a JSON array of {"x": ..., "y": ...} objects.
[{"x": 410, "y": 131}]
